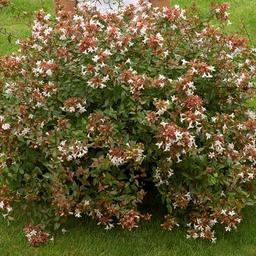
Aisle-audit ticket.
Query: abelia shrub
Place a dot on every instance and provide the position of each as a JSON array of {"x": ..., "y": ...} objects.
[{"x": 96, "y": 106}]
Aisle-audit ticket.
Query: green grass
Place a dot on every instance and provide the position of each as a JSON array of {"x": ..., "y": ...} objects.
[
  {"x": 17, "y": 20},
  {"x": 84, "y": 236},
  {"x": 242, "y": 14}
]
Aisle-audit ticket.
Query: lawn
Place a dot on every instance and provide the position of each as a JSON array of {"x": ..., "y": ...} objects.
[
  {"x": 84, "y": 237},
  {"x": 16, "y": 21}
]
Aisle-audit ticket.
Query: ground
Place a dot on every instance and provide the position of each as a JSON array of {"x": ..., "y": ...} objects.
[{"x": 84, "y": 237}]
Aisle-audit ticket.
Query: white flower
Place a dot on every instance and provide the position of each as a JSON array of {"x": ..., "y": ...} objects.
[
  {"x": 178, "y": 158},
  {"x": 78, "y": 214},
  {"x": 208, "y": 136},
  {"x": 224, "y": 212},
  {"x": 1, "y": 205},
  {"x": 117, "y": 161},
  {"x": 173, "y": 98},
  {"x": 195, "y": 235},
  {"x": 238, "y": 220},
  {"x": 9, "y": 209},
  {"x": 228, "y": 229},
  {"x": 48, "y": 31},
  {"x": 6, "y": 126},
  {"x": 231, "y": 146},
  {"x": 64, "y": 231},
  {"x": 109, "y": 226},
  {"x": 47, "y": 17},
  {"x": 214, "y": 239},
  {"x": 214, "y": 119},
  {"x": 49, "y": 72},
  {"x": 161, "y": 77},
  {"x": 166, "y": 53},
  {"x": 240, "y": 126},
  {"x": 241, "y": 174},
  {"x": 178, "y": 135},
  {"x": 184, "y": 62},
  {"x": 86, "y": 202},
  {"x": 159, "y": 37},
  {"x": 33, "y": 233},
  {"x": 188, "y": 196},
  {"x": 211, "y": 68},
  {"x": 170, "y": 173},
  {"x": 96, "y": 58},
  {"x": 222, "y": 193},
  {"x": 250, "y": 175},
  {"x": 128, "y": 61},
  {"x": 231, "y": 213},
  {"x": 251, "y": 114},
  {"x": 211, "y": 155}
]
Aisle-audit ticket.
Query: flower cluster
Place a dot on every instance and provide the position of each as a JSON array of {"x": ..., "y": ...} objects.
[
  {"x": 130, "y": 219},
  {"x": 97, "y": 107},
  {"x": 4, "y": 126},
  {"x": 221, "y": 11},
  {"x": 119, "y": 156},
  {"x": 72, "y": 151},
  {"x": 35, "y": 235},
  {"x": 177, "y": 141},
  {"x": 74, "y": 105}
]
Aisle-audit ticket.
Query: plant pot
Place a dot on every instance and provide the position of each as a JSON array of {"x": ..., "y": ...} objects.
[
  {"x": 67, "y": 5},
  {"x": 160, "y": 3}
]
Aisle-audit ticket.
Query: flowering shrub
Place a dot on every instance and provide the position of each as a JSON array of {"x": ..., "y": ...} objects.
[{"x": 94, "y": 106}]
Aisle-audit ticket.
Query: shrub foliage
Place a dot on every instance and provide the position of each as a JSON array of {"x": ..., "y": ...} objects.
[{"x": 95, "y": 106}]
